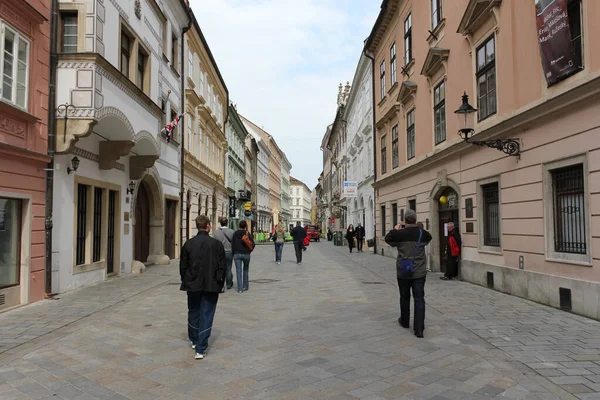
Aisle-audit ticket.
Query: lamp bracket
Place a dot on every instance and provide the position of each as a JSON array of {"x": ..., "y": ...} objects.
[{"x": 511, "y": 147}]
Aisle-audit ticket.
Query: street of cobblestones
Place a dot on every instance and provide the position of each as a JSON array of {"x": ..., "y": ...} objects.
[{"x": 324, "y": 330}]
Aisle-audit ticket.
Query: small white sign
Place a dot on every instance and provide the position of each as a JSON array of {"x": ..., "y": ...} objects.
[
  {"x": 446, "y": 230},
  {"x": 350, "y": 188}
]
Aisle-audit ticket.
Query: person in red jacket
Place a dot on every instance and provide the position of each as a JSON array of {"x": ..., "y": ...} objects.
[{"x": 452, "y": 253}]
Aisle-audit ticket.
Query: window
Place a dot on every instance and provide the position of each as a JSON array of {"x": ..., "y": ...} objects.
[
  {"x": 297, "y": 192},
  {"x": 383, "y": 232},
  {"x": 436, "y": 13},
  {"x": 439, "y": 112},
  {"x": 97, "y": 224},
  {"x": 141, "y": 68},
  {"x": 382, "y": 78},
  {"x": 394, "y": 215},
  {"x": 200, "y": 144},
  {"x": 190, "y": 134},
  {"x": 568, "y": 194},
  {"x": 10, "y": 242},
  {"x": 174, "y": 48},
  {"x": 395, "y": 156},
  {"x": 383, "y": 154},
  {"x": 81, "y": 223},
  {"x": 408, "y": 39},
  {"x": 410, "y": 134},
  {"x": 15, "y": 67},
  {"x": 491, "y": 214},
  {"x": 176, "y": 129},
  {"x": 393, "y": 64},
  {"x": 125, "y": 53},
  {"x": 486, "y": 79},
  {"x": 191, "y": 65},
  {"x": 69, "y": 32},
  {"x": 412, "y": 205},
  {"x": 574, "y": 13}
]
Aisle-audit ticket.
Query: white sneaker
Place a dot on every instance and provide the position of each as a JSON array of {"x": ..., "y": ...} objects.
[
  {"x": 193, "y": 346},
  {"x": 199, "y": 356}
]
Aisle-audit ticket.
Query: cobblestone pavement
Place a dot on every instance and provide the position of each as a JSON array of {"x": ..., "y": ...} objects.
[{"x": 323, "y": 330}]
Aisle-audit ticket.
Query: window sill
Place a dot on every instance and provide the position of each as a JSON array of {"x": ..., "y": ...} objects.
[
  {"x": 79, "y": 269},
  {"x": 435, "y": 33},
  {"x": 394, "y": 86},
  {"x": 581, "y": 262},
  {"x": 165, "y": 58},
  {"x": 17, "y": 111},
  {"x": 382, "y": 101},
  {"x": 407, "y": 67},
  {"x": 175, "y": 71},
  {"x": 191, "y": 83},
  {"x": 496, "y": 251}
]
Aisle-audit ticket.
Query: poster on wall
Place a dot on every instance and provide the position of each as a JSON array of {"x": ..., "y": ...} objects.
[
  {"x": 2, "y": 220},
  {"x": 350, "y": 188},
  {"x": 554, "y": 38}
]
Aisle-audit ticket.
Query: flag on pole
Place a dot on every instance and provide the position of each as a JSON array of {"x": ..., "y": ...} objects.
[{"x": 169, "y": 128}]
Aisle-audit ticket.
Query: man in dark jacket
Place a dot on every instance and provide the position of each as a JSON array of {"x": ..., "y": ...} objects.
[
  {"x": 202, "y": 270},
  {"x": 453, "y": 250},
  {"x": 298, "y": 233},
  {"x": 360, "y": 237},
  {"x": 406, "y": 240}
]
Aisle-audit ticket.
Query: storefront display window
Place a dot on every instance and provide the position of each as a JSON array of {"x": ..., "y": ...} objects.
[{"x": 10, "y": 241}]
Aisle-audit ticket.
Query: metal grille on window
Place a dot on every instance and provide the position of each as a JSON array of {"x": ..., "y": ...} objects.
[
  {"x": 491, "y": 215},
  {"x": 412, "y": 204},
  {"x": 97, "y": 224},
  {"x": 569, "y": 210},
  {"x": 81, "y": 223},
  {"x": 110, "y": 251}
]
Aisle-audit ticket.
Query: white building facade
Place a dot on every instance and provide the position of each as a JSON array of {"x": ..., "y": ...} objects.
[
  {"x": 119, "y": 73},
  {"x": 263, "y": 217},
  {"x": 235, "y": 177},
  {"x": 286, "y": 201},
  {"x": 358, "y": 112},
  {"x": 301, "y": 206}
]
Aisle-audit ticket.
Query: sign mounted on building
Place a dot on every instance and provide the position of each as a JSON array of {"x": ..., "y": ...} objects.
[
  {"x": 232, "y": 207},
  {"x": 248, "y": 206},
  {"x": 554, "y": 37},
  {"x": 350, "y": 188}
]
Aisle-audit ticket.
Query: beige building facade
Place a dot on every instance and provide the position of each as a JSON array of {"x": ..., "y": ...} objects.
[
  {"x": 530, "y": 223},
  {"x": 205, "y": 142}
]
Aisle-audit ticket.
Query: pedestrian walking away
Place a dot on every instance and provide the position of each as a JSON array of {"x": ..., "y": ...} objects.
[
  {"x": 241, "y": 246},
  {"x": 360, "y": 238},
  {"x": 298, "y": 234},
  {"x": 279, "y": 239},
  {"x": 329, "y": 235},
  {"x": 411, "y": 269},
  {"x": 350, "y": 234},
  {"x": 452, "y": 253},
  {"x": 202, "y": 271},
  {"x": 225, "y": 235}
]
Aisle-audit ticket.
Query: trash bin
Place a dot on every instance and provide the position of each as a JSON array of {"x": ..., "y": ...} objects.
[{"x": 340, "y": 238}]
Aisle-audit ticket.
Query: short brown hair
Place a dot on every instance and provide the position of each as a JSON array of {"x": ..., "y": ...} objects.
[
  {"x": 223, "y": 221},
  {"x": 202, "y": 222}
]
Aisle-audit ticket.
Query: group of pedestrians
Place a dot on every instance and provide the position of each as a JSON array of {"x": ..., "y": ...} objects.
[
  {"x": 411, "y": 266},
  {"x": 205, "y": 271},
  {"x": 358, "y": 234}
]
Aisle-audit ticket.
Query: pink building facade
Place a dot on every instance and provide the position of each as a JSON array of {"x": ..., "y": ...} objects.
[
  {"x": 530, "y": 223},
  {"x": 23, "y": 149}
]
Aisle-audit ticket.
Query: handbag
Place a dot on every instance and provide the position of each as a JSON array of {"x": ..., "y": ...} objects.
[
  {"x": 407, "y": 265},
  {"x": 247, "y": 241}
]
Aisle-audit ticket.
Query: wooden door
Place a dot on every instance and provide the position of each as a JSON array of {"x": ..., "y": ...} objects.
[
  {"x": 110, "y": 251},
  {"x": 170, "y": 213},
  {"x": 142, "y": 225}
]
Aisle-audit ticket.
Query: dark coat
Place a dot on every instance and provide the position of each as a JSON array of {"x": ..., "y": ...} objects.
[
  {"x": 202, "y": 264},
  {"x": 360, "y": 232},
  {"x": 350, "y": 235},
  {"x": 405, "y": 240},
  {"x": 298, "y": 233},
  {"x": 237, "y": 244}
]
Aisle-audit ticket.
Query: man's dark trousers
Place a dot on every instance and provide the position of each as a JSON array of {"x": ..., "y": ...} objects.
[
  {"x": 201, "y": 313},
  {"x": 451, "y": 267},
  {"x": 417, "y": 286},
  {"x": 359, "y": 244},
  {"x": 298, "y": 247}
]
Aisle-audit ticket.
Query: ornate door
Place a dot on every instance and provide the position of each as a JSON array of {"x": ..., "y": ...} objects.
[{"x": 142, "y": 225}]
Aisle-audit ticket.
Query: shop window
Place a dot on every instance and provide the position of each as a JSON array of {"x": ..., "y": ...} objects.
[{"x": 10, "y": 242}]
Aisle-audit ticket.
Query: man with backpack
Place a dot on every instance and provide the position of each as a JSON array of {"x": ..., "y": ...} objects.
[
  {"x": 225, "y": 235},
  {"x": 452, "y": 253},
  {"x": 241, "y": 246},
  {"x": 299, "y": 234},
  {"x": 411, "y": 269}
]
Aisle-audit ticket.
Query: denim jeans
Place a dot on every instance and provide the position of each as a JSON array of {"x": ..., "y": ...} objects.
[
  {"x": 417, "y": 286},
  {"x": 229, "y": 274},
  {"x": 298, "y": 247},
  {"x": 242, "y": 275},
  {"x": 278, "y": 251},
  {"x": 201, "y": 314}
]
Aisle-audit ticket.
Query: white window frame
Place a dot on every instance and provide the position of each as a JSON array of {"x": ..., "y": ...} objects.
[
  {"x": 480, "y": 210},
  {"x": 18, "y": 37},
  {"x": 191, "y": 65},
  {"x": 551, "y": 255}
]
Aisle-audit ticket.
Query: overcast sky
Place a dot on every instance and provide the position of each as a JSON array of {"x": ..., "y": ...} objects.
[{"x": 282, "y": 61}]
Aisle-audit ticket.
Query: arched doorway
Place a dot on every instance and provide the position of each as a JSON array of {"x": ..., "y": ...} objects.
[
  {"x": 445, "y": 206},
  {"x": 142, "y": 224}
]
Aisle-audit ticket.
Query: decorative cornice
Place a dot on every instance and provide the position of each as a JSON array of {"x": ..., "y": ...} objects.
[
  {"x": 88, "y": 155},
  {"x": 434, "y": 61},
  {"x": 122, "y": 12},
  {"x": 407, "y": 89},
  {"x": 476, "y": 13},
  {"x": 115, "y": 112}
]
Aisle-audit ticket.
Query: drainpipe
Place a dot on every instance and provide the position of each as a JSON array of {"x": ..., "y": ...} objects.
[
  {"x": 372, "y": 58},
  {"x": 182, "y": 161},
  {"x": 51, "y": 145}
]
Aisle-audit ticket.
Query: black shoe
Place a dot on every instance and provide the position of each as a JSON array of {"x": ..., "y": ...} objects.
[
  {"x": 444, "y": 278},
  {"x": 229, "y": 287},
  {"x": 406, "y": 326},
  {"x": 419, "y": 334}
]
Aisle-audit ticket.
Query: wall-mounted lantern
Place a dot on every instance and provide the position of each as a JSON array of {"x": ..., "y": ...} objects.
[{"x": 74, "y": 165}]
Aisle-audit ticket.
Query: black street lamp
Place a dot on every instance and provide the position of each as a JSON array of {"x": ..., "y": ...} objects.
[
  {"x": 131, "y": 187},
  {"x": 466, "y": 122},
  {"x": 74, "y": 165}
]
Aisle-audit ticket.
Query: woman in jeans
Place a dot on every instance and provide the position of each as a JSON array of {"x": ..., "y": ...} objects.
[
  {"x": 241, "y": 255},
  {"x": 279, "y": 239}
]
